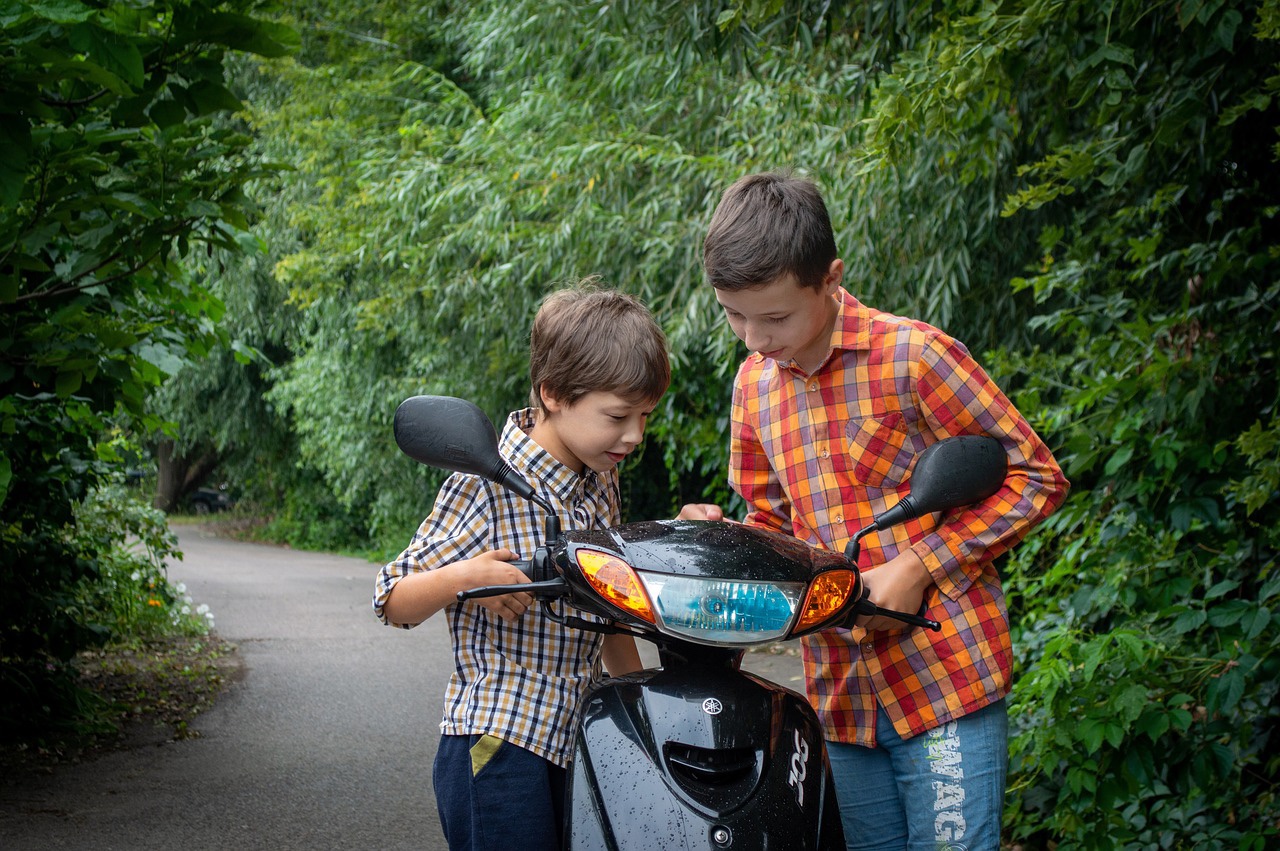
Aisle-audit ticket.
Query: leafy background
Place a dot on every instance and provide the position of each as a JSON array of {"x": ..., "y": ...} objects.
[{"x": 237, "y": 236}]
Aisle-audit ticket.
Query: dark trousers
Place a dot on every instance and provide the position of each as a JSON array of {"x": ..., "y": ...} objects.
[{"x": 493, "y": 794}]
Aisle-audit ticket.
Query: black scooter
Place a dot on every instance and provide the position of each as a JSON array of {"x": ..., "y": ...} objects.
[{"x": 696, "y": 753}]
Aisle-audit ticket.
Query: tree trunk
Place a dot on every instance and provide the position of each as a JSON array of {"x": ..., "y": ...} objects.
[{"x": 179, "y": 475}]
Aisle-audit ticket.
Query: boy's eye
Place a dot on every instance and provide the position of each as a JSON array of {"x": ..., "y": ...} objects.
[{"x": 776, "y": 319}]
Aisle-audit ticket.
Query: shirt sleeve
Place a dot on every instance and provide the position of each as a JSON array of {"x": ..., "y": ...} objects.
[
  {"x": 957, "y": 397},
  {"x": 750, "y": 473},
  {"x": 456, "y": 529}
]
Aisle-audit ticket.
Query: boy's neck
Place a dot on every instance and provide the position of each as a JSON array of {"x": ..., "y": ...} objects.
[{"x": 545, "y": 434}]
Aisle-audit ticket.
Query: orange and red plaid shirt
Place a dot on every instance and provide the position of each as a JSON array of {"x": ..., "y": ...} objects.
[{"x": 818, "y": 456}]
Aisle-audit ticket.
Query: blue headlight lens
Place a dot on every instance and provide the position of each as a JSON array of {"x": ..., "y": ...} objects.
[{"x": 723, "y": 611}]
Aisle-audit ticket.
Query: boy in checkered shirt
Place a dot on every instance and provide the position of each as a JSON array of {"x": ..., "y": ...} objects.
[
  {"x": 830, "y": 410},
  {"x": 598, "y": 366}
]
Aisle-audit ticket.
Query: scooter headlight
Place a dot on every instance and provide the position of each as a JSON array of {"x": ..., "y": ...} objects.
[{"x": 723, "y": 611}]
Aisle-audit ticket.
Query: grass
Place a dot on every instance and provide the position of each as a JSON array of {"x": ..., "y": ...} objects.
[{"x": 141, "y": 693}]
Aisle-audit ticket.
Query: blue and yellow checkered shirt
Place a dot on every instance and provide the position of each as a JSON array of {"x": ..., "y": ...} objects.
[{"x": 521, "y": 681}]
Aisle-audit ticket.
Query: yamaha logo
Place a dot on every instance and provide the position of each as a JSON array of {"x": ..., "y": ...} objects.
[{"x": 711, "y": 706}]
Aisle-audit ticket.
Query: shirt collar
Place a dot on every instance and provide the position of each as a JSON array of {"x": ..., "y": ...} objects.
[
  {"x": 531, "y": 460},
  {"x": 853, "y": 324}
]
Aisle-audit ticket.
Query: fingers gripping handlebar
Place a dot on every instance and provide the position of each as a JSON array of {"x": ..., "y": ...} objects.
[{"x": 547, "y": 588}]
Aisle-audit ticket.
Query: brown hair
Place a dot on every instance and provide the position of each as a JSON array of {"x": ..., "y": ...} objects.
[
  {"x": 586, "y": 339},
  {"x": 768, "y": 225}
]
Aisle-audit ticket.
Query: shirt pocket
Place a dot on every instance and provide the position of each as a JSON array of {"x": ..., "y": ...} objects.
[{"x": 881, "y": 449}]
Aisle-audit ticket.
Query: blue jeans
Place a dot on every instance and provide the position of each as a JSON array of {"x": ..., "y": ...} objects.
[
  {"x": 940, "y": 791},
  {"x": 493, "y": 794}
]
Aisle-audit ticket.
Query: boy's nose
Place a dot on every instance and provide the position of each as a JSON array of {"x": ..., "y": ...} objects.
[
  {"x": 755, "y": 339},
  {"x": 633, "y": 434}
]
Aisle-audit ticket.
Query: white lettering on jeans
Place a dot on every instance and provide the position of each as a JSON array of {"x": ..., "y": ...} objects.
[{"x": 943, "y": 744}]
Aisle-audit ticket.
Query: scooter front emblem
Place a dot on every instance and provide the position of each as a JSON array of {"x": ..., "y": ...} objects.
[{"x": 711, "y": 706}]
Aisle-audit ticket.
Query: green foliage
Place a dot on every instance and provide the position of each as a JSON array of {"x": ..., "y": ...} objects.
[
  {"x": 1144, "y": 611},
  {"x": 123, "y": 593},
  {"x": 131, "y": 594},
  {"x": 120, "y": 171}
]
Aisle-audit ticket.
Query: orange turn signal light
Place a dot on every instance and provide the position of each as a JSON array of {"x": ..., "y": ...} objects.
[
  {"x": 613, "y": 579},
  {"x": 827, "y": 595}
]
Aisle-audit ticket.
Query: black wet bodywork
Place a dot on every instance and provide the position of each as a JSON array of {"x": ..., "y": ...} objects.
[
  {"x": 699, "y": 756},
  {"x": 700, "y": 548}
]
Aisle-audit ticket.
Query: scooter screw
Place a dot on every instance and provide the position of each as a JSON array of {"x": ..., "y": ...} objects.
[{"x": 721, "y": 836}]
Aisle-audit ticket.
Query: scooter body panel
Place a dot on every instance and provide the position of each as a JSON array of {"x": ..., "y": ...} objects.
[{"x": 699, "y": 757}]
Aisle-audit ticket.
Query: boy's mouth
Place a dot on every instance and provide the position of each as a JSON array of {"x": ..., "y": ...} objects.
[{"x": 616, "y": 457}]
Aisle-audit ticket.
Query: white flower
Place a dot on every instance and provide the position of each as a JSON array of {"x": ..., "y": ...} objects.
[
  {"x": 182, "y": 588},
  {"x": 186, "y": 610},
  {"x": 136, "y": 575},
  {"x": 203, "y": 609}
]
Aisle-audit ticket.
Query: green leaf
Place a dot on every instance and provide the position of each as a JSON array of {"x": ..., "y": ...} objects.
[
  {"x": 167, "y": 113},
  {"x": 110, "y": 52},
  {"x": 1225, "y": 691},
  {"x": 61, "y": 11},
  {"x": 1224, "y": 34},
  {"x": 68, "y": 382},
  {"x": 1118, "y": 459},
  {"x": 15, "y": 140},
  {"x": 1255, "y": 625},
  {"x": 240, "y": 32},
  {"x": 1189, "y": 620},
  {"x": 1090, "y": 732},
  {"x": 208, "y": 96}
]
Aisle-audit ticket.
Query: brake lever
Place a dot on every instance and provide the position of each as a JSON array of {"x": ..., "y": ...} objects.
[
  {"x": 866, "y": 607},
  {"x": 548, "y": 588}
]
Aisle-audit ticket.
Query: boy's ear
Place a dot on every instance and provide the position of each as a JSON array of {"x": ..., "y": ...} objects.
[
  {"x": 835, "y": 274},
  {"x": 551, "y": 403}
]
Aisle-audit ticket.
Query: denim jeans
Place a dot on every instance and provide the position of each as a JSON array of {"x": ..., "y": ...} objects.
[
  {"x": 940, "y": 791},
  {"x": 493, "y": 794}
]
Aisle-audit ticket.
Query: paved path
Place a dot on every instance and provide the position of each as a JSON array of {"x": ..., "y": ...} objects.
[{"x": 325, "y": 742}]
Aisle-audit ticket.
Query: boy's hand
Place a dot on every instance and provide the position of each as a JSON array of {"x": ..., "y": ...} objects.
[
  {"x": 492, "y": 568},
  {"x": 898, "y": 584},
  {"x": 701, "y": 511}
]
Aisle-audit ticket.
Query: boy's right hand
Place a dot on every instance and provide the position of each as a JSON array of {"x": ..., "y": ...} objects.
[
  {"x": 492, "y": 568},
  {"x": 701, "y": 511}
]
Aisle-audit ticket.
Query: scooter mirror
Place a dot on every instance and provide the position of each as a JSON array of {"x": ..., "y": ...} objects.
[
  {"x": 453, "y": 434},
  {"x": 950, "y": 473}
]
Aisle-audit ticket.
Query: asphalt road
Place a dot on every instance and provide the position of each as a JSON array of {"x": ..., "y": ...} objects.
[{"x": 326, "y": 741}]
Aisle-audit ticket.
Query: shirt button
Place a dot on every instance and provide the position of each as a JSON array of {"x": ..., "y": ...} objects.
[
  {"x": 826, "y": 453},
  {"x": 813, "y": 386},
  {"x": 839, "y": 518}
]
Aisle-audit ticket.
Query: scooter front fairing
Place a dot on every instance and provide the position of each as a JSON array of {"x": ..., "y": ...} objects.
[{"x": 699, "y": 756}]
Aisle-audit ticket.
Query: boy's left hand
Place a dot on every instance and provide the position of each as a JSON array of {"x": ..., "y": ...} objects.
[{"x": 898, "y": 584}]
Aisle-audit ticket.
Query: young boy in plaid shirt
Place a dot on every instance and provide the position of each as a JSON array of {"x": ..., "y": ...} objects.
[
  {"x": 829, "y": 413},
  {"x": 598, "y": 366}
]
